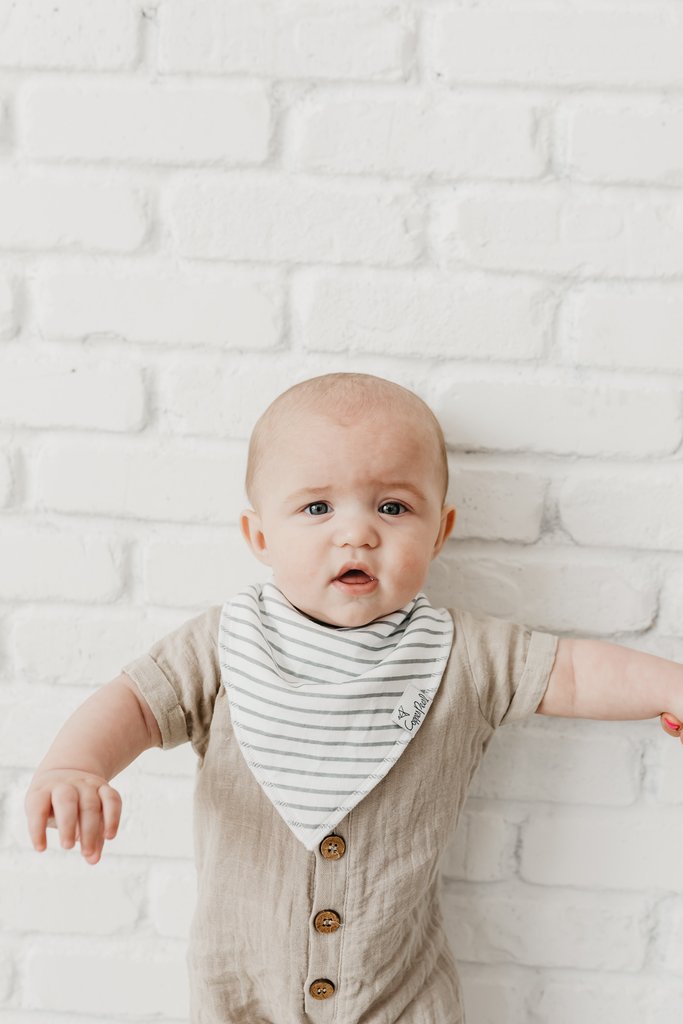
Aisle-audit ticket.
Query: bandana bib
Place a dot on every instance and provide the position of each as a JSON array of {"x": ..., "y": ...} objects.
[{"x": 322, "y": 713}]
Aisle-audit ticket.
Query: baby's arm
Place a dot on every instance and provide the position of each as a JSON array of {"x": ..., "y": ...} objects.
[
  {"x": 597, "y": 679},
  {"x": 70, "y": 785}
]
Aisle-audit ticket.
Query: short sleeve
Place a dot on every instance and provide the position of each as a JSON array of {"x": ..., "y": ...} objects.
[
  {"x": 179, "y": 677},
  {"x": 510, "y": 665}
]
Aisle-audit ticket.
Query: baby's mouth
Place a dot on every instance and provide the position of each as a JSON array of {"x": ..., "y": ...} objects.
[
  {"x": 355, "y": 579},
  {"x": 355, "y": 576}
]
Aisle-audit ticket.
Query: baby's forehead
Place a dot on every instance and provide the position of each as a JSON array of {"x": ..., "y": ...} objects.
[
  {"x": 312, "y": 434},
  {"x": 400, "y": 417},
  {"x": 369, "y": 449}
]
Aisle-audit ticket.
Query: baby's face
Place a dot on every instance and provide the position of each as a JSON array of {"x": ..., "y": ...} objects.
[{"x": 363, "y": 493}]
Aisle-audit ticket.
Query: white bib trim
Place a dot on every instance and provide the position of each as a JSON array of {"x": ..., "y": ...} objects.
[{"x": 322, "y": 713}]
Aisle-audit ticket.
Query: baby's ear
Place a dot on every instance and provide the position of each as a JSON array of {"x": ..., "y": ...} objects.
[
  {"x": 252, "y": 531},
  {"x": 448, "y": 516}
]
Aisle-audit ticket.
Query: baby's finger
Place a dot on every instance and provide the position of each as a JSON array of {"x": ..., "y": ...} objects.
[
  {"x": 93, "y": 851},
  {"x": 52, "y": 823},
  {"x": 65, "y": 804},
  {"x": 670, "y": 724},
  {"x": 90, "y": 821},
  {"x": 37, "y": 806},
  {"x": 111, "y": 806}
]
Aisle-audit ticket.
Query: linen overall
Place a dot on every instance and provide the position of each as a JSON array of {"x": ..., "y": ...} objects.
[{"x": 352, "y": 932}]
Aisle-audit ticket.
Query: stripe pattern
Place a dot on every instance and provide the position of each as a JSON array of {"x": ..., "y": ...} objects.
[{"x": 311, "y": 704}]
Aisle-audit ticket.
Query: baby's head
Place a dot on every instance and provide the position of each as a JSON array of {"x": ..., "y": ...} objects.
[{"x": 345, "y": 470}]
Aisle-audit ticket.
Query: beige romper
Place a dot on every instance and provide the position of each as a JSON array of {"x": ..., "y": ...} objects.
[{"x": 351, "y": 933}]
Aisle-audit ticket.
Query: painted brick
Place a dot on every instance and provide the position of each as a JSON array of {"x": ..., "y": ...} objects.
[
  {"x": 5, "y": 126},
  {"x": 41, "y": 390},
  {"x": 47, "y": 563},
  {"x": 545, "y": 416},
  {"x": 416, "y": 132},
  {"x": 556, "y": 46},
  {"x": 177, "y": 483},
  {"x": 203, "y": 572},
  {"x": 671, "y": 931},
  {"x": 82, "y": 647},
  {"x": 147, "y": 976},
  {"x": 562, "y": 591},
  {"x": 593, "y": 1001},
  {"x": 192, "y": 393},
  {"x": 420, "y": 312},
  {"x": 6, "y": 479},
  {"x": 665, "y": 773},
  {"x": 551, "y": 929},
  {"x": 93, "y": 34},
  {"x": 670, "y": 618},
  {"x": 9, "y": 314},
  {"x": 634, "y": 326},
  {"x": 625, "y": 141},
  {"x": 560, "y": 229},
  {"x": 559, "y": 765},
  {"x": 495, "y": 994},
  {"x": 157, "y": 812},
  {"x": 7, "y": 970},
  {"x": 600, "y": 848},
  {"x": 172, "y": 899},
  {"x": 640, "y": 508},
  {"x": 12, "y": 1016},
  {"x": 27, "y": 728},
  {"x": 64, "y": 898},
  {"x": 496, "y": 504},
  {"x": 275, "y": 219},
  {"x": 164, "y": 123},
  {"x": 158, "y": 305},
  {"x": 54, "y": 211},
  {"x": 343, "y": 39}
]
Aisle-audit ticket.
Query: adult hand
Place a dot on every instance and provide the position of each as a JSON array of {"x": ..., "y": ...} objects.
[{"x": 671, "y": 725}]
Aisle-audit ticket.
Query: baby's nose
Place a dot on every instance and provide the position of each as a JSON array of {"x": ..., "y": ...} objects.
[{"x": 356, "y": 531}]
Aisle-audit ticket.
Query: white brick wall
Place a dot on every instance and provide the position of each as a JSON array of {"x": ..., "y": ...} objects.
[
  {"x": 203, "y": 203},
  {"x": 158, "y": 304},
  {"x": 167, "y": 124},
  {"x": 68, "y": 209},
  {"x": 554, "y": 46}
]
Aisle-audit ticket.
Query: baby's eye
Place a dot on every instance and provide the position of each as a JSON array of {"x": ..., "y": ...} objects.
[
  {"x": 392, "y": 505},
  {"x": 318, "y": 508}
]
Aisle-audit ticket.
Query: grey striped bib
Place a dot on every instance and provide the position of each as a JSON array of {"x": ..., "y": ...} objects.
[{"x": 322, "y": 713}]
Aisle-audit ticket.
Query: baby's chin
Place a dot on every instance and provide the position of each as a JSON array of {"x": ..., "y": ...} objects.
[
  {"x": 348, "y": 618},
  {"x": 336, "y": 623},
  {"x": 347, "y": 613}
]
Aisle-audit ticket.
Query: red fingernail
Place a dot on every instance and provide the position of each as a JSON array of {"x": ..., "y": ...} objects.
[{"x": 672, "y": 725}]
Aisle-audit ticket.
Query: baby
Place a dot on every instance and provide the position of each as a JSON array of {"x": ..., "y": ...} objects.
[{"x": 337, "y": 717}]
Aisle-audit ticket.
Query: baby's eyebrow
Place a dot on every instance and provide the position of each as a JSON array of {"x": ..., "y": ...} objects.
[
  {"x": 302, "y": 492},
  {"x": 399, "y": 485},
  {"x": 393, "y": 485}
]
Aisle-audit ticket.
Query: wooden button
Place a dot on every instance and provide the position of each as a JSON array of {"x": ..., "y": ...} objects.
[
  {"x": 322, "y": 989},
  {"x": 333, "y": 847},
  {"x": 327, "y": 921}
]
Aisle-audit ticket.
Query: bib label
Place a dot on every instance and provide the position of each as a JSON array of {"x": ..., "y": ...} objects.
[{"x": 411, "y": 710}]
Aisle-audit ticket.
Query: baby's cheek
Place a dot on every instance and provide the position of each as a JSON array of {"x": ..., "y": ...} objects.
[
  {"x": 308, "y": 577},
  {"x": 411, "y": 565}
]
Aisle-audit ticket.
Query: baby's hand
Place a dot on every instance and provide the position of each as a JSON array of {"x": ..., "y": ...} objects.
[
  {"x": 671, "y": 725},
  {"x": 79, "y": 804}
]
